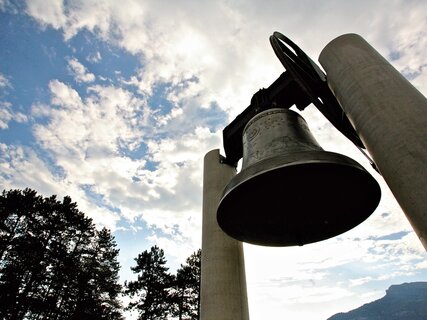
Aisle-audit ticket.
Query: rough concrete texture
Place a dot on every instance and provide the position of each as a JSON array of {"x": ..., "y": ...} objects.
[
  {"x": 223, "y": 284},
  {"x": 390, "y": 116}
]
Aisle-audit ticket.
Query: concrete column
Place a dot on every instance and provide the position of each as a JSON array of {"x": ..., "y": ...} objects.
[
  {"x": 223, "y": 283},
  {"x": 389, "y": 115}
]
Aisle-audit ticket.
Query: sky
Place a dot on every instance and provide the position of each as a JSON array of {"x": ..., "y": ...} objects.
[{"x": 115, "y": 103}]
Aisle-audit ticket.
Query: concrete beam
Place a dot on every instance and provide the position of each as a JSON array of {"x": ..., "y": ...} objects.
[
  {"x": 390, "y": 116},
  {"x": 223, "y": 283}
]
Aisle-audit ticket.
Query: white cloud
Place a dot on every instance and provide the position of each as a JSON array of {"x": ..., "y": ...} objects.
[
  {"x": 4, "y": 82},
  {"x": 9, "y": 115},
  {"x": 360, "y": 281},
  {"x": 5, "y": 115},
  {"x": 23, "y": 168},
  {"x": 106, "y": 120},
  {"x": 94, "y": 58},
  {"x": 225, "y": 45},
  {"x": 48, "y": 13},
  {"x": 40, "y": 110},
  {"x": 7, "y": 112},
  {"x": 422, "y": 265},
  {"x": 85, "y": 137},
  {"x": 9, "y": 6},
  {"x": 92, "y": 140},
  {"x": 79, "y": 71}
]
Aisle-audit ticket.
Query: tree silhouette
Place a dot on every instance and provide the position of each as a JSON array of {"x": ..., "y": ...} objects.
[
  {"x": 187, "y": 294},
  {"x": 157, "y": 294},
  {"x": 54, "y": 264},
  {"x": 153, "y": 286}
]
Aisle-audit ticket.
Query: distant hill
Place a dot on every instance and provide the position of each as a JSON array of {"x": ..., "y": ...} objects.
[{"x": 407, "y": 301}]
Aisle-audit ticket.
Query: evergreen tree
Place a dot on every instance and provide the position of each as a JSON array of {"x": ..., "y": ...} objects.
[
  {"x": 97, "y": 282},
  {"x": 152, "y": 288},
  {"x": 53, "y": 263},
  {"x": 187, "y": 292}
]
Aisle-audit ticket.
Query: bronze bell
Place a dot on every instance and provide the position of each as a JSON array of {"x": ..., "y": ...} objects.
[{"x": 290, "y": 191}]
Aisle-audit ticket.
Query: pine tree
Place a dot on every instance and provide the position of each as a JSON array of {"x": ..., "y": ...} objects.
[
  {"x": 53, "y": 262},
  {"x": 152, "y": 288},
  {"x": 187, "y": 289},
  {"x": 98, "y": 288}
]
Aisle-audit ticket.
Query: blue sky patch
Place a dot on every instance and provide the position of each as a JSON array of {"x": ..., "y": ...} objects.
[{"x": 394, "y": 236}]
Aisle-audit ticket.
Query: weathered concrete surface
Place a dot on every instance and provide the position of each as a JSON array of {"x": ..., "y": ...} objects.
[
  {"x": 223, "y": 284},
  {"x": 389, "y": 115}
]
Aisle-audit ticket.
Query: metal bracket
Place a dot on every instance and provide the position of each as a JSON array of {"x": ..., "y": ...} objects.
[{"x": 302, "y": 83}]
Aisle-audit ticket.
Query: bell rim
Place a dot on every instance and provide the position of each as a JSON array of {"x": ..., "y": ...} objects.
[{"x": 309, "y": 158}]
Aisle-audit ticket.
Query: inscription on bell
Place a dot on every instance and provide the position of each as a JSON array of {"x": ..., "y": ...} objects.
[
  {"x": 252, "y": 133},
  {"x": 274, "y": 132}
]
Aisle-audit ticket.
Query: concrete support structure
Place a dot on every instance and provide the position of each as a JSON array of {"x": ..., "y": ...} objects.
[
  {"x": 389, "y": 115},
  {"x": 223, "y": 283}
]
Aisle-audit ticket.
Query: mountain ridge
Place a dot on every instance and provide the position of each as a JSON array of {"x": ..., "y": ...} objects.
[{"x": 405, "y": 301}]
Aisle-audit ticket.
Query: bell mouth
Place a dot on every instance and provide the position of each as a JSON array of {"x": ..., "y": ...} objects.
[{"x": 297, "y": 199}]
